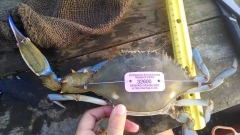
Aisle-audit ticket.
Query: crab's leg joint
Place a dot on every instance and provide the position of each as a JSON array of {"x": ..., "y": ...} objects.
[
  {"x": 77, "y": 97},
  {"x": 185, "y": 117},
  {"x": 208, "y": 111},
  {"x": 199, "y": 63},
  {"x": 201, "y": 79},
  {"x": 200, "y": 102},
  {"x": 83, "y": 70},
  {"x": 95, "y": 68},
  {"x": 35, "y": 59},
  {"x": 218, "y": 80},
  {"x": 229, "y": 71}
]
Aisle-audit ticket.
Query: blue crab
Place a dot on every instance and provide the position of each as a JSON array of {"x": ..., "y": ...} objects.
[{"x": 107, "y": 79}]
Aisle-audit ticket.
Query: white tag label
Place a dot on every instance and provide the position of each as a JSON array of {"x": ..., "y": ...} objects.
[{"x": 144, "y": 81}]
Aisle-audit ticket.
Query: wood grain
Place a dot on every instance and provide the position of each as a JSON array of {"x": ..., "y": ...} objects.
[{"x": 143, "y": 19}]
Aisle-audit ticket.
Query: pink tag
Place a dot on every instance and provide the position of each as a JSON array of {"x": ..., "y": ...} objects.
[{"x": 144, "y": 81}]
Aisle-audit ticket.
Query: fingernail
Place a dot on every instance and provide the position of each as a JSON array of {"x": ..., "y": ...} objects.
[{"x": 120, "y": 109}]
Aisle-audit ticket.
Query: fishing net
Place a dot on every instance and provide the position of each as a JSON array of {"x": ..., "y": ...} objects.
[{"x": 60, "y": 23}]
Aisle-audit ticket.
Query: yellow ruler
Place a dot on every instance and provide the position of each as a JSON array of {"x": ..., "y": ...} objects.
[{"x": 183, "y": 52}]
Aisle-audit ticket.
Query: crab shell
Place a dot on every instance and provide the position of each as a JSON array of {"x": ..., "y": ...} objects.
[{"x": 139, "y": 103}]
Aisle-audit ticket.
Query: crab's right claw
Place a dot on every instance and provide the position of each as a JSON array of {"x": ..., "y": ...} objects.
[{"x": 35, "y": 59}]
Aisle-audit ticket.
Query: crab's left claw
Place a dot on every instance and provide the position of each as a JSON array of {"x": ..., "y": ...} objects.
[
  {"x": 18, "y": 35},
  {"x": 35, "y": 59}
]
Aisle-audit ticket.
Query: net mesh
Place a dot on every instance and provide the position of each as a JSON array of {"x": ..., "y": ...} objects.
[{"x": 60, "y": 23}]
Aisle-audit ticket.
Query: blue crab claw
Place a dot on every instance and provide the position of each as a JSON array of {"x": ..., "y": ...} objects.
[
  {"x": 18, "y": 35},
  {"x": 77, "y": 97},
  {"x": 35, "y": 59}
]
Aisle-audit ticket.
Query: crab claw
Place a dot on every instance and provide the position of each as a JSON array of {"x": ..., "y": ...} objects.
[
  {"x": 18, "y": 35},
  {"x": 77, "y": 97},
  {"x": 35, "y": 59}
]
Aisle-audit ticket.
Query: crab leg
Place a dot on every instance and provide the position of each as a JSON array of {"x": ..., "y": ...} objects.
[
  {"x": 95, "y": 68},
  {"x": 98, "y": 66},
  {"x": 35, "y": 59},
  {"x": 189, "y": 102},
  {"x": 199, "y": 63},
  {"x": 218, "y": 80},
  {"x": 200, "y": 79},
  {"x": 229, "y": 71},
  {"x": 84, "y": 70},
  {"x": 185, "y": 117},
  {"x": 77, "y": 97}
]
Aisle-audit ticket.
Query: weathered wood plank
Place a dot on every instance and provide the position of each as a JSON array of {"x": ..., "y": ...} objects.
[
  {"x": 7, "y": 4},
  {"x": 144, "y": 19},
  {"x": 41, "y": 116}
]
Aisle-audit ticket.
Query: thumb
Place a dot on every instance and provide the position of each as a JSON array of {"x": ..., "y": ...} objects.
[{"x": 117, "y": 120}]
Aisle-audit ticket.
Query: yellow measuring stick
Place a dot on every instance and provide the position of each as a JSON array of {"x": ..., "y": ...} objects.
[{"x": 183, "y": 52}]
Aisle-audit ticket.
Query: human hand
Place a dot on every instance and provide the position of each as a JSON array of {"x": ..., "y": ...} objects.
[{"x": 117, "y": 121}]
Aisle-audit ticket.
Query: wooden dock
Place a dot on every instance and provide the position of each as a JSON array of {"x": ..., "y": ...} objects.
[{"x": 25, "y": 109}]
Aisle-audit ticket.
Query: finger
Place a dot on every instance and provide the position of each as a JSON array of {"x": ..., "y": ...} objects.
[
  {"x": 102, "y": 125},
  {"x": 131, "y": 126},
  {"x": 117, "y": 120},
  {"x": 90, "y": 117}
]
